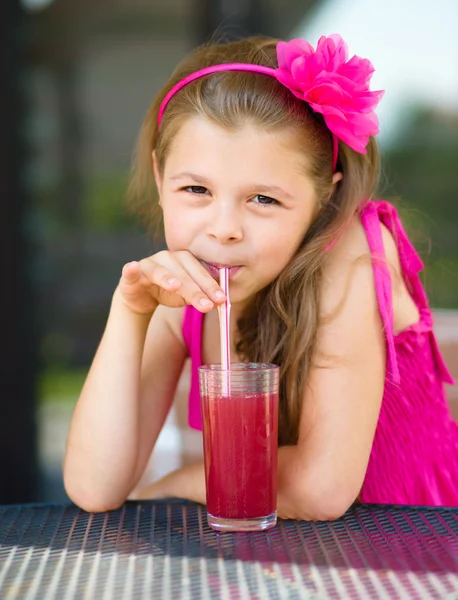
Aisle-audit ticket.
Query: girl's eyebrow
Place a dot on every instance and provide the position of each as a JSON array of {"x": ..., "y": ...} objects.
[
  {"x": 188, "y": 175},
  {"x": 271, "y": 189}
]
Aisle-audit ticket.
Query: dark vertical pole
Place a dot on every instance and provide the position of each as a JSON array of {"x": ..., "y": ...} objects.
[{"x": 18, "y": 464}]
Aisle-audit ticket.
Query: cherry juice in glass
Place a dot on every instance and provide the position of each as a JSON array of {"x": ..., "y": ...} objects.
[{"x": 240, "y": 435}]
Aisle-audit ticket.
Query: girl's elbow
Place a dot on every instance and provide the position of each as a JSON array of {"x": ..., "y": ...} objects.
[
  {"x": 88, "y": 500},
  {"x": 93, "y": 504},
  {"x": 330, "y": 509},
  {"x": 321, "y": 502}
]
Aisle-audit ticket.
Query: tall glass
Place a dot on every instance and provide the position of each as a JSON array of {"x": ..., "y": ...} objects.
[{"x": 240, "y": 434}]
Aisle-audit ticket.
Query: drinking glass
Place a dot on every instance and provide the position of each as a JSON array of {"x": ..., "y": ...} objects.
[{"x": 240, "y": 438}]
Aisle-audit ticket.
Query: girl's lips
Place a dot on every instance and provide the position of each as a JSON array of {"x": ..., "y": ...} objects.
[{"x": 214, "y": 269}]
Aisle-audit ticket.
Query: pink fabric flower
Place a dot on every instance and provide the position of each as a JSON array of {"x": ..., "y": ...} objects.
[{"x": 333, "y": 86}]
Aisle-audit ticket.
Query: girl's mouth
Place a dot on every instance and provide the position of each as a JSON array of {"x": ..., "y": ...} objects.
[{"x": 213, "y": 269}]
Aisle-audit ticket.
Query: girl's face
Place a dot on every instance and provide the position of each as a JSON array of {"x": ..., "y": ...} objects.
[{"x": 236, "y": 198}]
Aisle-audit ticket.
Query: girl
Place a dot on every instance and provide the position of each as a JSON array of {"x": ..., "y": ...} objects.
[{"x": 264, "y": 157}]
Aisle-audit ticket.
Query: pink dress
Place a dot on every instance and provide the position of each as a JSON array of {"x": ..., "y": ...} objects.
[{"x": 414, "y": 456}]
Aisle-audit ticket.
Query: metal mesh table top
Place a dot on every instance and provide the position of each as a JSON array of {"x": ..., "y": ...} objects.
[{"x": 166, "y": 550}]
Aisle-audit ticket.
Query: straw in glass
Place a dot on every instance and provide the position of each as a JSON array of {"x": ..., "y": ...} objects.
[{"x": 224, "y": 311}]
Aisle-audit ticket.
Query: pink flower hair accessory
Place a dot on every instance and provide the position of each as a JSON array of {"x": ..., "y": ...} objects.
[{"x": 331, "y": 84}]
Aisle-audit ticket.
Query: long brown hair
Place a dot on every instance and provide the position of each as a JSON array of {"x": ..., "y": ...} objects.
[{"x": 280, "y": 324}]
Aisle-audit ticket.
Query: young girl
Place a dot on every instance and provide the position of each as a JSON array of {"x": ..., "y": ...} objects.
[{"x": 264, "y": 159}]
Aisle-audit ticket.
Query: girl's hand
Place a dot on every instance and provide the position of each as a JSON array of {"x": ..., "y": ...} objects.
[
  {"x": 172, "y": 279},
  {"x": 186, "y": 482}
]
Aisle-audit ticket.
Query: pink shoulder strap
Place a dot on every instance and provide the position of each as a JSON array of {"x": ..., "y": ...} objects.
[
  {"x": 371, "y": 223},
  {"x": 411, "y": 265},
  {"x": 192, "y": 335}
]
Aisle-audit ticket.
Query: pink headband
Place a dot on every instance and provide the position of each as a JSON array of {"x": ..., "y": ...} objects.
[{"x": 331, "y": 84}]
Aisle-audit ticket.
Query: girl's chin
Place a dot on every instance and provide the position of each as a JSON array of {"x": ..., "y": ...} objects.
[{"x": 239, "y": 298}]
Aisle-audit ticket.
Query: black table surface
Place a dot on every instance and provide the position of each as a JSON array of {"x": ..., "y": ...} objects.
[{"x": 165, "y": 549}]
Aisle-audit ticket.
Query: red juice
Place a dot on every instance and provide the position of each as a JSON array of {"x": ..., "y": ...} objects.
[{"x": 240, "y": 450}]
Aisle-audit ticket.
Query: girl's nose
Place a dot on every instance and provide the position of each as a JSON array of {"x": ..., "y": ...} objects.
[{"x": 225, "y": 224}]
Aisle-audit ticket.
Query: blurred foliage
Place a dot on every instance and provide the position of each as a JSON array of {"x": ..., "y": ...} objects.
[
  {"x": 421, "y": 173},
  {"x": 59, "y": 384},
  {"x": 104, "y": 207}
]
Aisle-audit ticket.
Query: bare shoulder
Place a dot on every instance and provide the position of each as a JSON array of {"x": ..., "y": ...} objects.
[
  {"x": 348, "y": 273},
  {"x": 353, "y": 245},
  {"x": 350, "y": 261}
]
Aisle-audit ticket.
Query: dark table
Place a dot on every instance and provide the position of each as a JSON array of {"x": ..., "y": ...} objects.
[{"x": 166, "y": 550}]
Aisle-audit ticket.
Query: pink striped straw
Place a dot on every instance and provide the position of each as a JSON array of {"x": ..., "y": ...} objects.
[{"x": 224, "y": 311}]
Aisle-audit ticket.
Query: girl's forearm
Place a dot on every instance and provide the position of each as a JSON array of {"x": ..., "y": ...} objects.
[
  {"x": 103, "y": 439},
  {"x": 309, "y": 488},
  {"x": 295, "y": 500}
]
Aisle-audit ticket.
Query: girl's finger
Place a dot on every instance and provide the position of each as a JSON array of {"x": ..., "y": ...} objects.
[
  {"x": 188, "y": 289},
  {"x": 160, "y": 275},
  {"x": 131, "y": 272},
  {"x": 202, "y": 278}
]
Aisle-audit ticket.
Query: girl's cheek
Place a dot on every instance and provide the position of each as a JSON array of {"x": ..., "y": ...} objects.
[{"x": 177, "y": 232}]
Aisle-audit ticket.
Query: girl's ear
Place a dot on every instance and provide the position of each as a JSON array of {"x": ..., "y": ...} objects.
[
  {"x": 338, "y": 176},
  {"x": 157, "y": 176}
]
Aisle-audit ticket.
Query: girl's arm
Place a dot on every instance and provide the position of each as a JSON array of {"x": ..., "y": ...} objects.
[
  {"x": 189, "y": 482},
  {"x": 342, "y": 401},
  {"x": 122, "y": 407},
  {"x": 132, "y": 380}
]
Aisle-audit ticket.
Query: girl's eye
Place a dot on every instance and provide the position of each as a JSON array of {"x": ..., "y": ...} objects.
[
  {"x": 195, "y": 189},
  {"x": 265, "y": 200}
]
